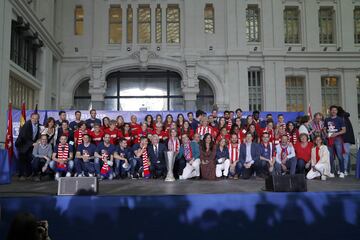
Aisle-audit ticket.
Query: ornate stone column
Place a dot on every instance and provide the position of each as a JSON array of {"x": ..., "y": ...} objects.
[
  {"x": 190, "y": 85},
  {"x": 97, "y": 83}
]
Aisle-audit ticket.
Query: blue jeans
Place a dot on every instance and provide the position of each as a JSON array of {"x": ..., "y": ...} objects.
[
  {"x": 336, "y": 149},
  {"x": 300, "y": 166},
  {"x": 70, "y": 166},
  {"x": 238, "y": 168},
  {"x": 346, "y": 156},
  {"x": 118, "y": 167},
  {"x": 290, "y": 164},
  {"x": 136, "y": 163},
  {"x": 97, "y": 165},
  {"x": 81, "y": 166}
]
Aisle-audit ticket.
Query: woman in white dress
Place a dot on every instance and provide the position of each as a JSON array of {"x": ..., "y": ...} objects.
[{"x": 320, "y": 160}]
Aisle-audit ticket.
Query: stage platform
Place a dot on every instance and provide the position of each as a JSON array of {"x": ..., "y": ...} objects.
[
  {"x": 154, "y": 209},
  {"x": 183, "y": 187}
]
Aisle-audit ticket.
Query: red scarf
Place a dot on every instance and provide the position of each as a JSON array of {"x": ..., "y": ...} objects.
[
  {"x": 284, "y": 152},
  {"x": 63, "y": 154},
  {"x": 188, "y": 152},
  {"x": 105, "y": 167},
  {"x": 173, "y": 145},
  {"x": 146, "y": 165},
  {"x": 317, "y": 150},
  {"x": 234, "y": 152},
  {"x": 229, "y": 124}
]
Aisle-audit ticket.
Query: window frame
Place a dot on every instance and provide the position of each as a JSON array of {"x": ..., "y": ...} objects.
[
  {"x": 253, "y": 24},
  {"x": 211, "y": 19},
  {"x": 326, "y": 93},
  {"x": 143, "y": 22},
  {"x": 168, "y": 8},
  {"x": 292, "y": 89},
  {"x": 356, "y": 13},
  {"x": 288, "y": 39},
  {"x": 79, "y": 20},
  {"x": 327, "y": 37},
  {"x": 256, "y": 91},
  {"x": 114, "y": 23}
]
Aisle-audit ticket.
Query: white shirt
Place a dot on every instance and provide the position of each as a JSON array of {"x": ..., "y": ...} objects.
[{"x": 248, "y": 154}]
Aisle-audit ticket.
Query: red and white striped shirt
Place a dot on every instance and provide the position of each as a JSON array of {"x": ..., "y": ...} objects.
[{"x": 234, "y": 152}]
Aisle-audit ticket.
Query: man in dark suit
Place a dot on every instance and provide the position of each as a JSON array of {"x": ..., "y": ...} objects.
[
  {"x": 249, "y": 157},
  {"x": 156, "y": 152},
  {"x": 28, "y": 135}
]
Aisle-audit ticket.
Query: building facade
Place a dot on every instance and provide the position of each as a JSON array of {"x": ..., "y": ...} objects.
[{"x": 268, "y": 55}]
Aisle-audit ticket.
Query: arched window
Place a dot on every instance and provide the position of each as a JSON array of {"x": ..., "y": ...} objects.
[
  {"x": 205, "y": 98},
  {"x": 82, "y": 98}
]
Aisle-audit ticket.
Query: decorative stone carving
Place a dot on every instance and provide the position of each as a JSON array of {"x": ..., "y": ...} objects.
[{"x": 143, "y": 56}]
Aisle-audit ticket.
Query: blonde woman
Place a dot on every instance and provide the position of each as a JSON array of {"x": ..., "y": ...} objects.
[{"x": 320, "y": 160}]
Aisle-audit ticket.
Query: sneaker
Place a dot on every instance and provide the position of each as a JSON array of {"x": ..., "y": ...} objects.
[
  {"x": 341, "y": 175},
  {"x": 323, "y": 177},
  {"x": 346, "y": 173},
  {"x": 91, "y": 175},
  {"x": 57, "y": 176},
  {"x": 331, "y": 175},
  {"x": 68, "y": 174},
  {"x": 181, "y": 177}
]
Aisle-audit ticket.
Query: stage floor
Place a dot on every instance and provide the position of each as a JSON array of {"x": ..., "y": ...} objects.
[{"x": 184, "y": 187}]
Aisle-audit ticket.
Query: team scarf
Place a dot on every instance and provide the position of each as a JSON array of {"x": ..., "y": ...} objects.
[
  {"x": 269, "y": 146},
  {"x": 317, "y": 151},
  {"x": 105, "y": 169},
  {"x": 229, "y": 124},
  {"x": 234, "y": 152},
  {"x": 173, "y": 146},
  {"x": 292, "y": 137},
  {"x": 63, "y": 154},
  {"x": 146, "y": 165},
  {"x": 188, "y": 151},
  {"x": 80, "y": 136},
  {"x": 284, "y": 152},
  {"x": 201, "y": 130}
]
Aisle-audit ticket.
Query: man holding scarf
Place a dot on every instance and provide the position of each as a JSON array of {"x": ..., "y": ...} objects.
[{"x": 190, "y": 153}]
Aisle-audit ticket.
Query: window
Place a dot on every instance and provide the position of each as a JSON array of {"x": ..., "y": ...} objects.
[
  {"x": 129, "y": 20},
  {"x": 158, "y": 27},
  {"x": 144, "y": 24},
  {"x": 19, "y": 93},
  {"x": 292, "y": 24},
  {"x": 24, "y": 47},
  {"x": 358, "y": 94},
  {"x": 154, "y": 90},
  {"x": 205, "y": 98},
  {"x": 255, "y": 90},
  {"x": 82, "y": 97},
  {"x": 357, "y": 25},
  {"x": 79, "y": 20},
  {"x": 295, "y": 96},
  {"x": 330, "y": 92},
  {"x": 327, "y": 25},
  {"x": 173, "y": 24},
  {"x": 115, "y": 24},
  {"x": 209, "y": 18},
  {"x": 253, "y": 23}
]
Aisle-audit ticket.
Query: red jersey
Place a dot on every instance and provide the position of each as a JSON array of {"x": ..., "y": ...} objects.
[
  {"x": 134, "y": 126},
  {"x": 227, "y": 137},
  {"x": 162, "y": 135},
  {"x": 189, "y": 133},
  {"x": 140, "y": 133},
  {"x": 114, "y": 135},
  {"x": 96, "y": 138}
]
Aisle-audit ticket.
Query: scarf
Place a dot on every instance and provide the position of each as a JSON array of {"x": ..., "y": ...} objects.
[
  {"x": 146, "y": 166},
  {"x": 229, "y": 124},
  {"x": 105, "y": 169},
  {"x": 188, "y": 152},
  {"x": 317, "y": 150},
  {"x": 284, "y": 152},
  {"x": 234, "y": 152},
  {"x": 80, "y": 135},
  {"x": 63, "y": 153},
  {"x": 173, "y": 146}
]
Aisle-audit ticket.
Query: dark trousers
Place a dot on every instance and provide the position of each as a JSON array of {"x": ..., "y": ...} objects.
[
  {"x": 86, "y": 167},
  {"x": 37, "y": 164},
  {"x": 158, "y": 170},
  {"x": 300, "y": 166},
  {"x": 290, "y": 165},
  {"x": 248, "y": 172},
  {"x": 25, "y": 159},
  {"x": 179, "y": 166}
]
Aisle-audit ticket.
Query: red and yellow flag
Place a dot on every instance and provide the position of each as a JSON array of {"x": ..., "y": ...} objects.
[
  {"x": 23, "y": 115},
  {"x": 9, "y": 134}
]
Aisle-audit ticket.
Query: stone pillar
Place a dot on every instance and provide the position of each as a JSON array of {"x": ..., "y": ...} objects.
[
  {"x": 190, "y": 86},
  {"x": 349, "y": 96},
  {"x": 5, "y": 35},
  {"x": 45, "y": 76},
  {"x": 97, "y": 84},
  {"x": 313, "y": 85}
]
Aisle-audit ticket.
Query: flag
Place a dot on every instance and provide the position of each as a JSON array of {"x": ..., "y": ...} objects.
[
  {"x": 9, "y": 134},
  {"x": 45, "y": 118},
  {"x": 23, "y": 115},
  {"x": 309, "y": 111}
]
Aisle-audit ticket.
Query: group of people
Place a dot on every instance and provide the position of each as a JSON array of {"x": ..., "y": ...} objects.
[{"x": 205, "y": 146}]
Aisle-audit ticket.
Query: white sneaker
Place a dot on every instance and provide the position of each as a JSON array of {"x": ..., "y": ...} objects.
[
  {"x": 68, "y": 174},
  {"x": 331, "y": 175},
  {"x": 341, "y": 175},
  {"x": 181, "y": 177},
  {"x": 57, "y": 176},
  {"x": 346, "y": 173},
  {"x": 323, "y": 177},
  {"x": 91, "y": 175}
]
